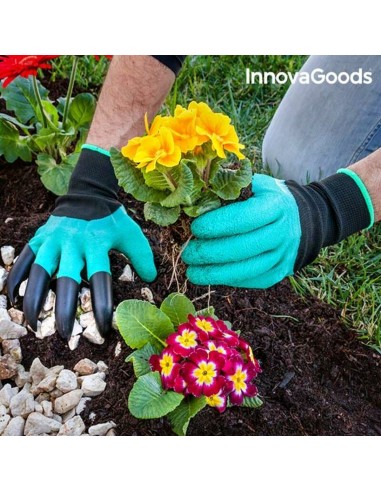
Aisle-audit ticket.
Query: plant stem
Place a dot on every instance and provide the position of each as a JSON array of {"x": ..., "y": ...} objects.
[
  {"x": 70, "y": 90},
  {"x": 207, "y": 172},
  {"x": 169, "y": 179},
  {"x": 39, "y": 102}
]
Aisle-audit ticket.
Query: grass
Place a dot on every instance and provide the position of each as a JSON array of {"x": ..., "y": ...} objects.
[{"x": 347, "y": 275}]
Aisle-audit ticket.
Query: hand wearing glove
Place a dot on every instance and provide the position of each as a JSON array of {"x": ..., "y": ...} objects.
[
  {"x": 86, "y": 224},
  {"x": 258, "y": 242}
]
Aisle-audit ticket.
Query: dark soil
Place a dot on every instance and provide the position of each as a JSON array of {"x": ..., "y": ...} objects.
[{"x": 317, "y": 378}]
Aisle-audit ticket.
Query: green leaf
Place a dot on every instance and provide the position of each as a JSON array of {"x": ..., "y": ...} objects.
[
  {"x": 55, "y": 177},
  {"x": 140, "y": 358},
  {"x": 156, "y": 179},
  {"x": 228, "y": 183},
  {"x": 208, "y": 201},
  {"x": 183, "y": 177},
  {"x": 81, "y": 110},
  {"x": 50, "y": 112},
  {"x": 140, "y": 322},
  {"x": 253, "y": 402},
  {"x": 177, "y": 307},
  {"x": 181, "y": 415},
  {"x": 148, "y": 399},
  {"x": 12, "y": 146},
  {"x": 15, "y": 121},
  {"x": 162, "y": 216},
  {"x": 198, "y": 183},
  {"x": 20, "y": 98},
  {"x": 208, "y": 311},
  {"x": 45, "y": 137},
  {"x": 132, "y": 180}
]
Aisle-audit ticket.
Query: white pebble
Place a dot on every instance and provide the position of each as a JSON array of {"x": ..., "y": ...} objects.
[
  {"x": 16, "y": 315},
  {"x": 22, "y": 288},
  {"x": 92, "y": 334},
  {"x": 85, "y": 299},
  {"x": 15, "y": 427},
  {"x": 67, "y": 401},
  {"x": 66, "y": 381},
  {"x": 49, "y": 301},
  {"x": 37, "y": 425},
  {"x": 73, "y": 427},
  {"x": 147, "y": 294},
  {"x": 8, "y": 255},
  {"x": 102, "y": 367},
  {"x": 87, "y": 319},
  {"x": 73, "y": 342},
  {"x": 101, "y": 429},
  {"x": 127, "y": 275},
  {"x": 85, "y": 367},
  {"x": 77, "y": 329},
  {"x": 3, "y": 277},
  {"x": 82, "y": 405},
  {"x": 92, "y": 385},
  {"x": 118, "y": 349},
  {"x": 3, "y": 301},
  {"x": 47, "y": 327}
]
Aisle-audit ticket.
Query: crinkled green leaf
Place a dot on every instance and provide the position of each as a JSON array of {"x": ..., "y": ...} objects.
[
  {"x": 56, "y": 177},
  {"x": 12, "y": 145},
  {"x": 148, "y": 399},
  {"x": 19, "y": 97},
  {"x": 132, "y": 180},
  {"x": 162, "y": 216},
  {"x": 183, "y": 178},
  {"x": 254, "y": 402},
  {"x": 140, "y": 359},
  {"x": 81, "y": 110},
  {"x": 177, "y": 307},
  {"x": 208, "y": 311},
  {"x": 155, "y": 179},
  {"x": 228, "y": 183},
  {"x": 208, "y": 201},
  {"x": 141, "y": 322},
  {"x": 181, "y": 415}
]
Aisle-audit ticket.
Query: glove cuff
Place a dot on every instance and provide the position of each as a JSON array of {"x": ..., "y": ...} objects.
[
  {"x": 330, "y": 210},
  {"x": 93, "y": 187}
]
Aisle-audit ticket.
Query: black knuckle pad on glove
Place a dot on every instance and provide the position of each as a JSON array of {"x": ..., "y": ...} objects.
[
  {"x": 66, "y": 306},
  {"x": 35, "y": 294},
  {"x": 19, "y": 272},
  {"x": 102, "y": 301}
]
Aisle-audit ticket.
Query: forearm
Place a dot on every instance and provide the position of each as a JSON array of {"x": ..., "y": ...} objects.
[
  {"x": 134, "y": 85},
  {"x": 369, "y": 170}
]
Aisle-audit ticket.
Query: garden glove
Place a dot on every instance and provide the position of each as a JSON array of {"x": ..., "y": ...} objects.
[
  {"x": 258, "y": 242},
  {"x": 85, "y": 225}
]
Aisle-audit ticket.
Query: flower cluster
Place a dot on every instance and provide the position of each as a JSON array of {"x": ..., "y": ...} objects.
[
  {"x": 13, "y": 66},
  {"x": 172, "y": 137},
  {"x": 204, "y": 358}
]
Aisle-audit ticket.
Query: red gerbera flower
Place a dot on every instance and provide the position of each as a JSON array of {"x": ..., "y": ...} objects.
[{"x": 13, "y": 66}]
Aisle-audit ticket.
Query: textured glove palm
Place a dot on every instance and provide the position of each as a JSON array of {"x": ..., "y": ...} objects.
[{"x": 258, "y": 242}]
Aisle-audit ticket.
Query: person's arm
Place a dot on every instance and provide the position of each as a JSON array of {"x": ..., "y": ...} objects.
[
  {"x": 89, "y": 220},
  {"x": 369, "y": 170},
  {"x": 134, "y": 85},
  {"x": 258, "y": 242}
]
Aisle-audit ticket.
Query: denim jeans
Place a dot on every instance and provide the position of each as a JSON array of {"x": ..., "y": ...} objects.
[{"x": 319, "y": 128}]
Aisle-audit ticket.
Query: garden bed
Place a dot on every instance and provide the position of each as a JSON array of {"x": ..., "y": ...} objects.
[{"x": 317, "y": 378}]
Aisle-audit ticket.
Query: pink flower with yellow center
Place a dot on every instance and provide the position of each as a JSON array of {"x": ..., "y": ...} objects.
[
  {"x": 202, "y": 373},
  {"x": 220, "y": 347},
  {"x": 249, "y": 355},
  {"x": 184, "y": 341},
  {"x": 206, "y": 327},
  {"x": 218, "y": 401},
  {"x": 167, "y": 364},
  {"x": 239, "y": 376},
  {"x": 229, "y": 336}
]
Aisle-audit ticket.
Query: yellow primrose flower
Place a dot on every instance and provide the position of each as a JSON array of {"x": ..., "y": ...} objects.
[
  {"x": 157, "y": 149},
  {"x": 156, "y": 124},
  {"x": 131, "y": 148},
  {"x": 183, "y": 127},
  {"x": 217, "y": 127}
]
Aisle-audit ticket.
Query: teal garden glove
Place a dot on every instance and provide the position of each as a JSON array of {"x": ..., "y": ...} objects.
[
  {"x": 86, "y": 224},
  {"x": 258, "y": 242}
]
